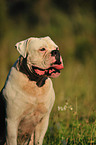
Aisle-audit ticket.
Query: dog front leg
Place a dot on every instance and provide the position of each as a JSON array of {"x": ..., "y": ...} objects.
[
  {"x": 40, "y": 130},
  {"x": 12, "y": 128}
]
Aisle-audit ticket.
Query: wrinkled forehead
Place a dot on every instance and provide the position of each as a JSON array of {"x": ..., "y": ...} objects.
[{"x": 38, "y": 43}]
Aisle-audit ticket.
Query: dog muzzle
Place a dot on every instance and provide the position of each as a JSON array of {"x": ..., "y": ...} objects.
[{"x": 54, "y": 69}]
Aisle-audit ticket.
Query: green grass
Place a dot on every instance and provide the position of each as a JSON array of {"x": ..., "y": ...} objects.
[
  {"x": 77, "y": 133},
  {"x": 73, "y": 129}
]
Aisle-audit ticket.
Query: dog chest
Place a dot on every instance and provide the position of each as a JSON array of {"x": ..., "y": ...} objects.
[
  {"x": 21, "y": 91},
  {"x": 21, "y": 94},
  {"x": 22, "y": 84},
  {"x": 29, "y": 119}
]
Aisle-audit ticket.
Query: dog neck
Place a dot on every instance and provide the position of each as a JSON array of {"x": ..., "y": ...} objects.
[{"x": 22, "y": 67}]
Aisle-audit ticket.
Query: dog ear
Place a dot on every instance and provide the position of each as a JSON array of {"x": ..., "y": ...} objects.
[{"x": 22, "y": 47}]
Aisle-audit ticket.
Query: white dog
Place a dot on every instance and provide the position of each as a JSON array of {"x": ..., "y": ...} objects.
[{"x": 28, "y": 95}]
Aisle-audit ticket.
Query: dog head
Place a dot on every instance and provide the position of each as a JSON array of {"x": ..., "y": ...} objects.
[{"x": 43, "y": 56}]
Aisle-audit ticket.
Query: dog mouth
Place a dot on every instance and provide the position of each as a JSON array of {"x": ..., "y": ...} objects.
[{"x": 52, "y": 71}]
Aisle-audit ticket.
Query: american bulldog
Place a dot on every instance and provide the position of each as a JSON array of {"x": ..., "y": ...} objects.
[{"x": 27, "y": 97}]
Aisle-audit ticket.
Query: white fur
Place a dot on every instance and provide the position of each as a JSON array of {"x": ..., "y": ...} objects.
[
  {"x": 32, "y": 46},
  {"x": 29, "y": 106},
  {"x": 18, "y": 101}
]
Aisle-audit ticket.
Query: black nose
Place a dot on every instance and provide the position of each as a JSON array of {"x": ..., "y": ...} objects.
[{"x": 56, "y": 53}]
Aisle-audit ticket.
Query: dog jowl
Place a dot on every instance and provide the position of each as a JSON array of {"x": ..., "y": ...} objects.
[{"x": 27, "y": 97}]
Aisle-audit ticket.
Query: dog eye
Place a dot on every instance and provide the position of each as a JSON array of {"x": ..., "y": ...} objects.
[{"x": 42, "y": 49}]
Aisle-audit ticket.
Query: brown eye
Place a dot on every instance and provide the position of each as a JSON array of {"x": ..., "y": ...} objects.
[{"x": 42, "y": 49}]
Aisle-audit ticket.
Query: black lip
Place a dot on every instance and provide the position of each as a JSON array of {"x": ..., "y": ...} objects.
[
  {"x": 35, "y": 67},
  {"x": 46, "y": 70},
  {"x": 57, "y": 70},
  {"x": 54, "y": 71},
  {"x": 50, "y": 68}
]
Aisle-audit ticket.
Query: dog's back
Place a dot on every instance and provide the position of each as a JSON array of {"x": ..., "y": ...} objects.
[{"x": 2, "y": 119}]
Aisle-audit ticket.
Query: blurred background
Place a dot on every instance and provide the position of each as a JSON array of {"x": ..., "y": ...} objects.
[{"x": 72, "y": 26}]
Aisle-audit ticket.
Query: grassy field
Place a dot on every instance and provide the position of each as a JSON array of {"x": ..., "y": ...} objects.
[{"x": 73, "y": 118}]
